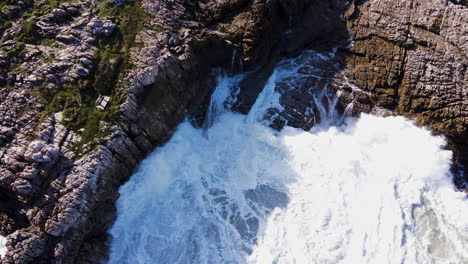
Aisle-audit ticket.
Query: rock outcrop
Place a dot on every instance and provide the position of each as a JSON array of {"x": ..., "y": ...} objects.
[
  {"x": 62, "y": 159},
  {"x": 412, "y": 57}
]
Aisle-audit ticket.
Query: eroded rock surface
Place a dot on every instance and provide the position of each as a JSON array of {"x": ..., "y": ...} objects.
[{"x": 412, "y": 57}]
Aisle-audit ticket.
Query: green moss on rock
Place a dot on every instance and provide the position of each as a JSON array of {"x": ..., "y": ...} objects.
[
  {"x": 77, "y": 101},
  {"x": 18, "y": 50}
]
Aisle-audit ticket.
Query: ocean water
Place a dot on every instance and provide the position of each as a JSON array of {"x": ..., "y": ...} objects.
[{"x": 362, "y": 190}]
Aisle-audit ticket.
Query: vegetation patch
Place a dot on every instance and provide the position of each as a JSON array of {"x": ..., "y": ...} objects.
[
  {"x": 4, "y": 21},
  {"x": 80, "y": 112},
  {"x": 3, "y": 6},
  {"x": 17, "y": 51},
  {"x": 4, "y": 24},
  {"x": 42, "y": 8},
  {"x": 77, "y": 101},
  {"x": 29, "y": 33}
]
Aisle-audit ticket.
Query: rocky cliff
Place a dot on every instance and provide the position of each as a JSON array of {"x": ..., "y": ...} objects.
[
  {"x": 89, "y": 88},
  {"x": 411, "y": 57}
]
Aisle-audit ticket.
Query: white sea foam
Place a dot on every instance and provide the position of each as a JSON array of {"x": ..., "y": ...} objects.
[
  {"x": 3, "y": 248},
  {"x": 376, "y": 192},
  {"x": 373, "y": 190}
]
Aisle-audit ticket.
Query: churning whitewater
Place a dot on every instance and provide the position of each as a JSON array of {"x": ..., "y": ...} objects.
[
  {"x": 2, "y": 246},
  {"x": 367, "y": 190}
]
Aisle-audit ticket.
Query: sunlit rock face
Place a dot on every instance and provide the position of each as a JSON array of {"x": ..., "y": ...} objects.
[{"x": 410, "y": 57}]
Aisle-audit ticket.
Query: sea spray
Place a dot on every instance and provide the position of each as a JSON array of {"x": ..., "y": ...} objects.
[
  {"x": 367, "y": 190},
  {"x": 3, "y": 248}
]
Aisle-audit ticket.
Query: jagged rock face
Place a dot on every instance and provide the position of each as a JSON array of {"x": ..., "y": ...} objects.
[
  {"x": 57, "y": 194},
  {"x": 412, "y": 58},
  {"x": 407, "y": 57}
]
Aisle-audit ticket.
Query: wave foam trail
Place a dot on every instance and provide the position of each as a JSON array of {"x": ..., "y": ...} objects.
[
  {"x": 373, "y": 190},
  {"x": 3, "y": 248},
  {"x": 376, "y": 192}
]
